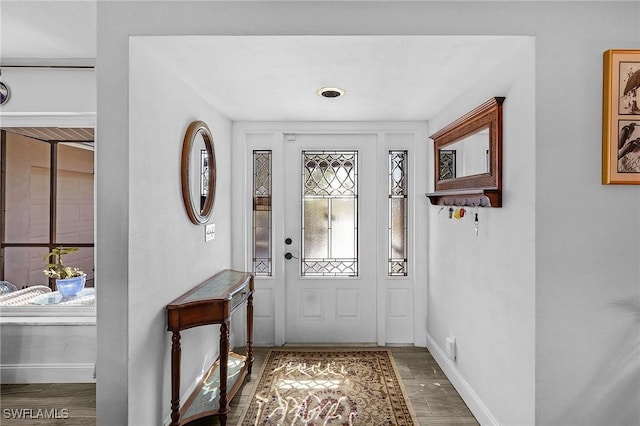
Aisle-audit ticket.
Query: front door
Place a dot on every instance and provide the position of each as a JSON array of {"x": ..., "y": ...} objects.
[{"x": 330, "y": 238}]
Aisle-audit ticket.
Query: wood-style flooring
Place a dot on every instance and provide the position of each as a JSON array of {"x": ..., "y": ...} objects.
[{"x": 434, "y": 399}]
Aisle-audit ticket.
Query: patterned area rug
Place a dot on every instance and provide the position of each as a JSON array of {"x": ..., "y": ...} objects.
[{"x": 329, "y": 387}]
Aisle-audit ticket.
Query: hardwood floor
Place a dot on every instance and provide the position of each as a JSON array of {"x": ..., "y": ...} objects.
[
  {"x": 434, "y": 399},
  {"x": 68, "y": 404}
]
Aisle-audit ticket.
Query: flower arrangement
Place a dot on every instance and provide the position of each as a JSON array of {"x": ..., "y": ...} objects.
[{"x": 57, "y": 269}]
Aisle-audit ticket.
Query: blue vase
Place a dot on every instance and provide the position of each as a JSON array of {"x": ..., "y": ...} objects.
[{"x": 70, "y": 287}]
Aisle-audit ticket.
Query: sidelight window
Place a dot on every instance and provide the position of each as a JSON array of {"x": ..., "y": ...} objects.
[
  {"x": 398, "y": 190},
  {"x": 262, "y": 191}
]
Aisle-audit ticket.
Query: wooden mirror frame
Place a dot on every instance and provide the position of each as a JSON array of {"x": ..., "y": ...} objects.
[
  {"x": 484, "y": 189},
  {"x": 197, "y": 216}
]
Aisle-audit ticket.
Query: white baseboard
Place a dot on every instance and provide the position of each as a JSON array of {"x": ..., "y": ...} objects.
[
  {"x": 473, "y": 401},
  {"x": 47, "y": 373}
]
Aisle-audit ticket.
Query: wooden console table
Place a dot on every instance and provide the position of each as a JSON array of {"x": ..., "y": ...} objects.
[{"x": 211, "y": 302}]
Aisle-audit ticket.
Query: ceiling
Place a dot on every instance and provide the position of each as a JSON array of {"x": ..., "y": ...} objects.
[
  {"x": 55, "y": 134},
  {"x": 79, "y": 137},
  {"x": 274, "y": 78},
  {"x": 48, "y": 29}
]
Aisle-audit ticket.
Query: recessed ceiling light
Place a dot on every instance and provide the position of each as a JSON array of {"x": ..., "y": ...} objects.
[{"x": 330, "y": 92}]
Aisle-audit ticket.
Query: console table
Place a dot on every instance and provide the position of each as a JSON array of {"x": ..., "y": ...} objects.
[{"x": 211, "y": 302}]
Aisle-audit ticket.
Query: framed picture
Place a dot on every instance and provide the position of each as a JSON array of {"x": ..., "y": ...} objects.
[{"x": 621, "y": 117}]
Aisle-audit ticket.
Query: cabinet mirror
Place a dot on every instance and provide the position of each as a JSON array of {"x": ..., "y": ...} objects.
[
  {"x": 198, "y": 172},
  {"x": 468, "y": 158}
]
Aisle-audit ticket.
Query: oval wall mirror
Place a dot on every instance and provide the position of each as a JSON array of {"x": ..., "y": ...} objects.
[{"x": 198, "y": 172}]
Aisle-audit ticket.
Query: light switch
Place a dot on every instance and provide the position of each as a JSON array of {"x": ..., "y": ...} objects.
[{"x": 210, "y": 232}]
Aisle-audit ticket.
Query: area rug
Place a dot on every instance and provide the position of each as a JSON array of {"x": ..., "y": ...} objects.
[{"x": 329, "y": 387}]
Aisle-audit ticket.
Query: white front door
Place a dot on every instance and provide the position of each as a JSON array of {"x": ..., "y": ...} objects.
[{"x": 331, "y": 238}]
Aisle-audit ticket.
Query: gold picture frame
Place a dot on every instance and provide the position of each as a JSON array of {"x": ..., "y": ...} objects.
[{"x": 621, "y": 117}]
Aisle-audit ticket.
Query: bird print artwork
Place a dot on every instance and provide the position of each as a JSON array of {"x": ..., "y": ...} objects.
[
  {"x": 629, "y": 147},
  {"x": 630, "y": 82},
  {"x": 625, "y": 134},
  {"x": 621, "y": 117}
]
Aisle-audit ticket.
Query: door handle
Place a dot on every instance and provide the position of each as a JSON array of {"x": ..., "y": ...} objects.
[{"x": 288, "y": 241}]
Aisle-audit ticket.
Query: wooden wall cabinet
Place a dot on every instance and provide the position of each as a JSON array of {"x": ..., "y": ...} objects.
[
  {"x": 211, "y": 302},
  {"x": 468, "y": 159}
]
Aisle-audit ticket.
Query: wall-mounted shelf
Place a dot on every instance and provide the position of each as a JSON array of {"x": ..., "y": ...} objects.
[
  {"x": 483, "y": 197},
  {"x": 468, "y": 159}
]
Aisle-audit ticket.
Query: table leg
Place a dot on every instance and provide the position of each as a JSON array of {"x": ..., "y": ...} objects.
[
  {"x": 224, "y": 359},
  {"x": 175, "y": 379},
  {"x": 250, "y": 332}
]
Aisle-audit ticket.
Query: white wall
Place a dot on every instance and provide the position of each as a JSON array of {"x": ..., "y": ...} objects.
[
  {"x": 482, "y": 289},
  {"x": 587, "y": 248},
  {"x": 587, "y": 236},
  {"x": 41, "y": 97},
  {"x": 148, "y": 251},
  {"x": 168, "y": 254},
  {"x": 39, "y": 90}
]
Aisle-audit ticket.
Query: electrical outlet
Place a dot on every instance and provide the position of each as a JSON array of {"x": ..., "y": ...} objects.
[{"x": 452, "y": 348}]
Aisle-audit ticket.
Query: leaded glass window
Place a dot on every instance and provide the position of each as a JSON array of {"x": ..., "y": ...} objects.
[
  {"x": 447, "y": 164},
  {"x": 262, "y": 191},
  {"x": 398, "y": 190},
  {"x": 204, "y": 177},
  {"x": 329, "y": 213}
]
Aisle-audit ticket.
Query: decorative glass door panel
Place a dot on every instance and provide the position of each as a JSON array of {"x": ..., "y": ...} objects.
[{"x": 329, "y": 213}]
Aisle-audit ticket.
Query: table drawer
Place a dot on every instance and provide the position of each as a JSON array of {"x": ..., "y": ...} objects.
[{"x": 239, "y": 297}]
